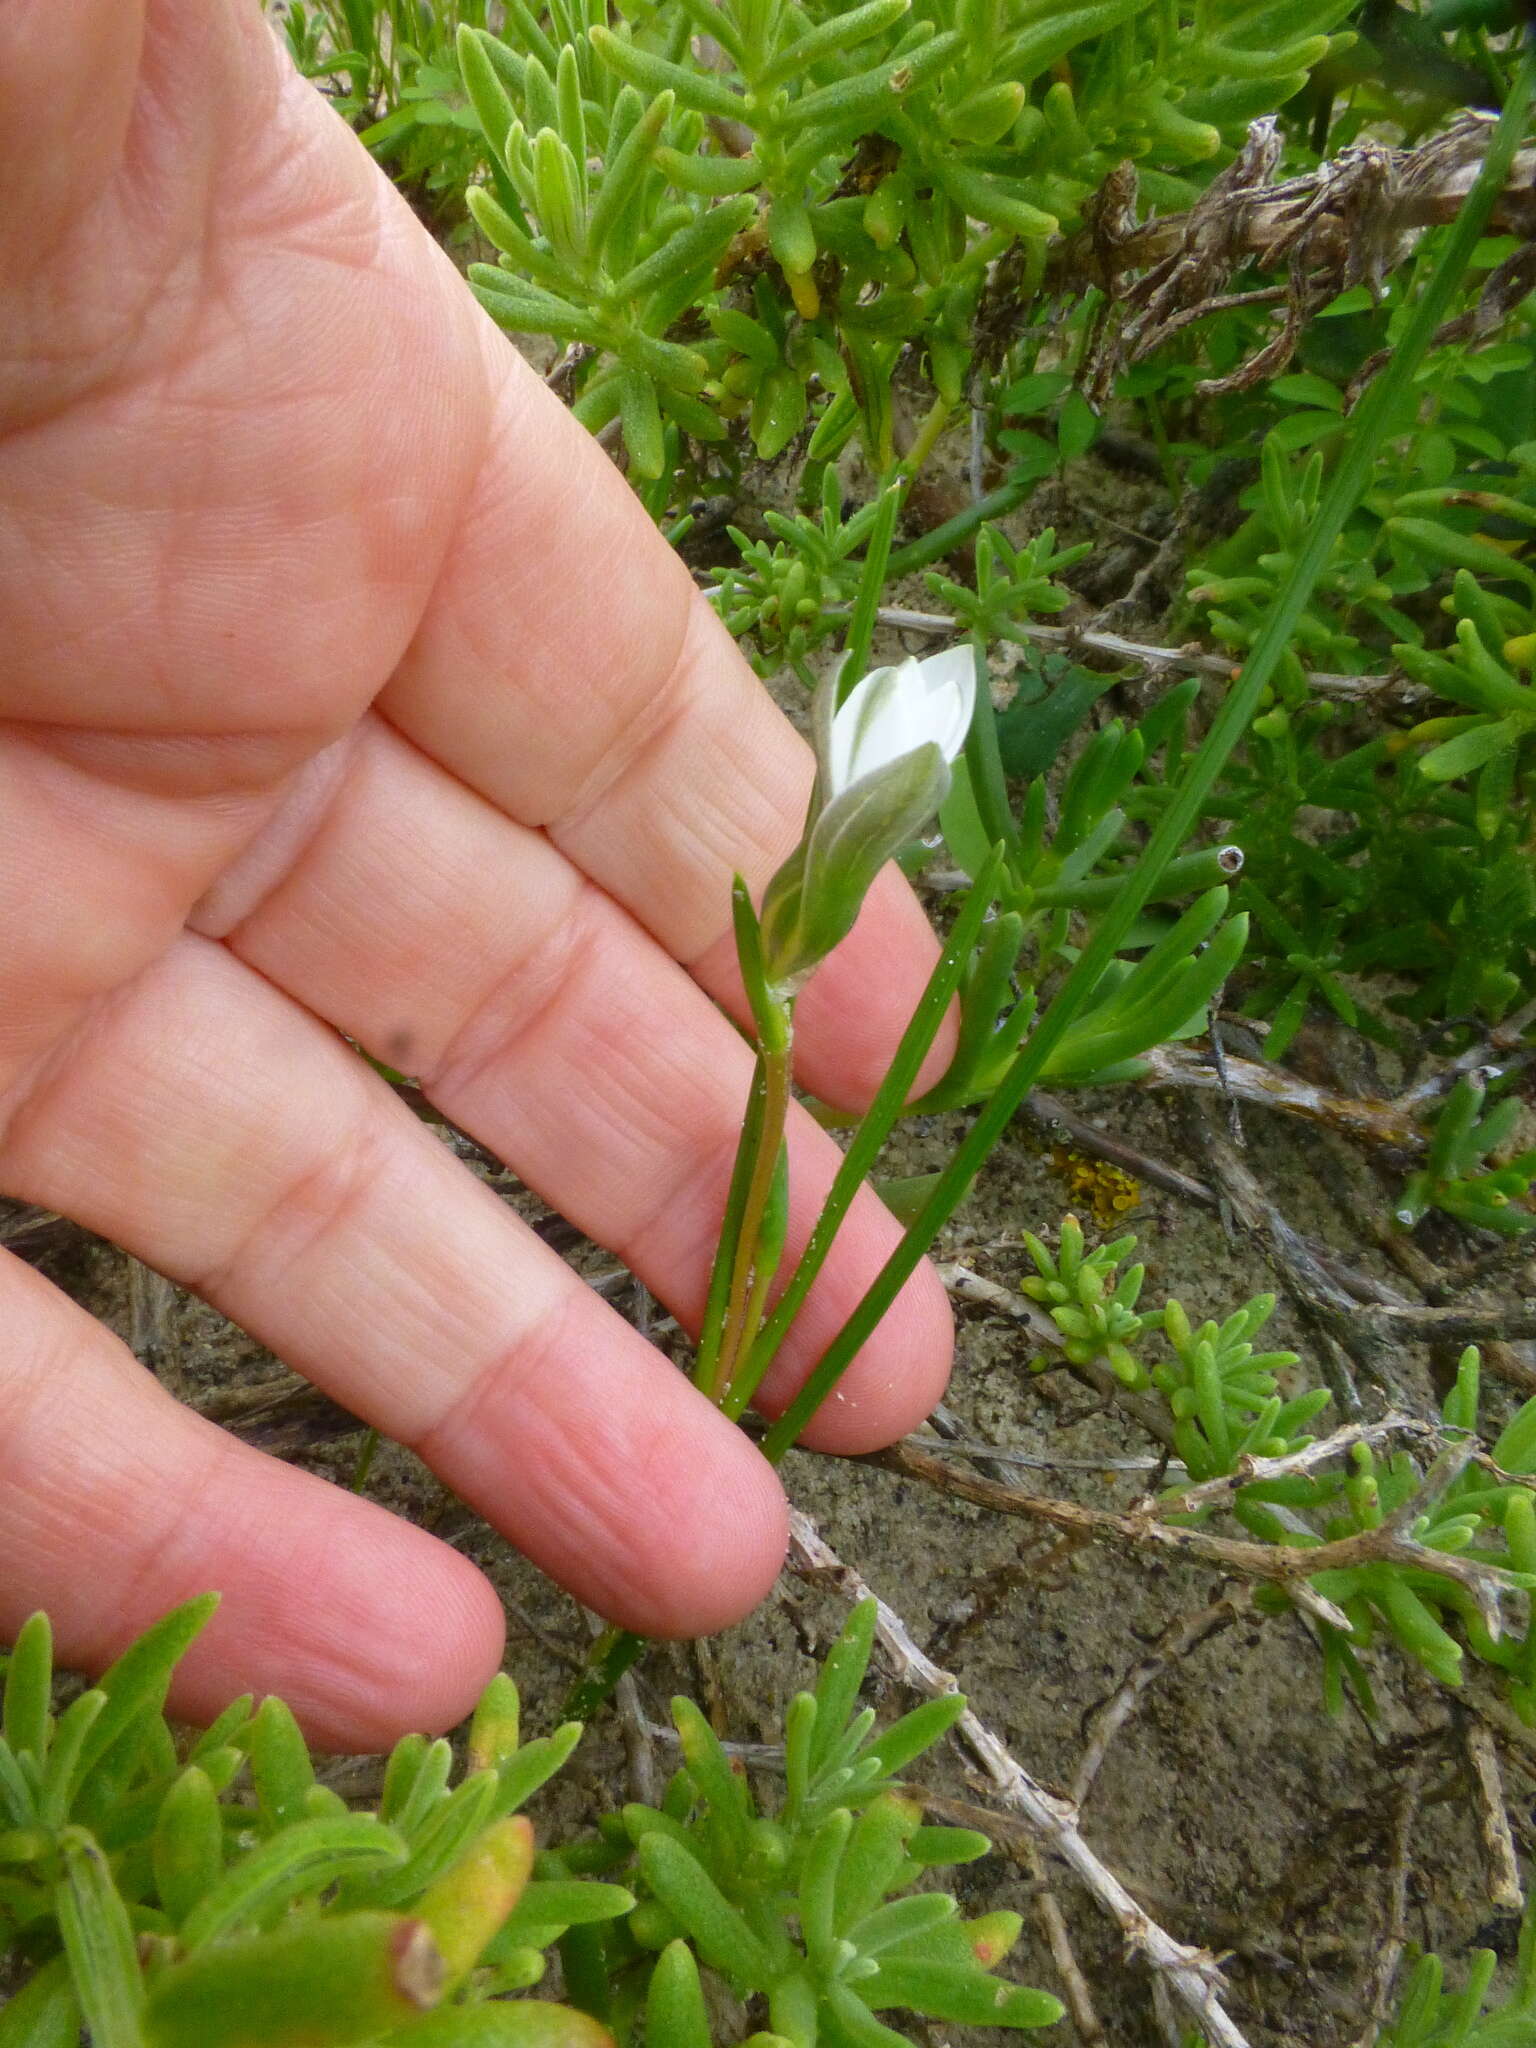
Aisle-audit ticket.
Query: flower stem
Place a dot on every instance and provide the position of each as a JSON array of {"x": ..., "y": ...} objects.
[
  {"x": 873, "y": 1130},
  {"x": 934, "y": 423},
  {"x": 755, "y": 1260},
  {"x": 712, "y": 1333}
]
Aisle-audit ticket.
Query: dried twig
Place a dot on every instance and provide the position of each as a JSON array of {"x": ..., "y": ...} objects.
[
  {"x": 1191, "y": 658},
  {"x": 1492, "y": 1052},
  {"x": 1307, "y": 1280},
  {"x": 1408, "y": 1325},
  {"x": 1074, "y": 1985},
  {"x": 1191, "y": 1973},
  {"x": 982, "y": 1453},
  {"x": 1391, "y": 1542},
  {"x": 1057, "y": 1119},
  {"x": 1497, "y": 1263},
  {"x": 1216, "y": 1493},
  {"x": 1176, "y": 1641},
  {"x": 644, "y": 1784},
  {"x": 34, "y": 1234},
  {"x": 151, "y": 1297},
  {"x": 1356, "y": 1116},
  {"x": 1349, "y": 221},
  {"x": 1505, "y": 1892}
]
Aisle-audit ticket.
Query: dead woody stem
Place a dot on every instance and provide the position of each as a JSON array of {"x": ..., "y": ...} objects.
[{"x": 1291, "y": 1567}]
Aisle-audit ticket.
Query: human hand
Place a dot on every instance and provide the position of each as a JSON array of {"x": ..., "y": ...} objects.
[{"x": 345, "y": 688}]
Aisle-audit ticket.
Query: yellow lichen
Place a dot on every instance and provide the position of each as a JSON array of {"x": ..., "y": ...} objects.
[{"x": 1107, "y": 1191}]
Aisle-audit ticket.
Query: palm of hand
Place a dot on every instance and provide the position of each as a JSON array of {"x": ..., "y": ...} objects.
[{"x": 346, "y": 690}]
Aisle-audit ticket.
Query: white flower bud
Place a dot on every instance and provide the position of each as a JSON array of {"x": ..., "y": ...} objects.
[
  {"x": 883, "y": 759},
  {"x": 894, "y": 711}
]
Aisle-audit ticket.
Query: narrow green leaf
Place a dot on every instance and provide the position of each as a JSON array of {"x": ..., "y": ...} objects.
[
  {"x": 720, "y": 1934},
  {"x": 963, "y": 1997},
  {"x": 675, "y": 2013},
  {"x": 534, "y": 1765},
  {"x": 487, "y": 92},
  {"x": 896, "y": 1746},
  {"x": 141, "y": 1677},
  {"x": 98, "y": 1940},
  {"x": 841, "y": 1675},
  {"x": 875, "y": 1857},
  {"x": 188, "y": 1843},
  {"x": 29, "y": 1688},
  {"x": 304, "y": 1859},
  {"x": 843, "y": 31},
  {"x": 654, "y": 74},
  {"x": 337, "y": 1979},
  {"x": 280, "y": 1767},
  {"x": 690, "y": 249},
  {"x": 624, "y": 169},
  {"x": 63, "y": 1769}
]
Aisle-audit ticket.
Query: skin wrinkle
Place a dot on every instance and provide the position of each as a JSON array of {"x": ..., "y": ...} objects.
[
  {"x": 540, "y": 992},
  {"x": 699, "y": 836},
  {"x": 299, "y": 817},
  {"x": 314, "y": 1204},
  {"x": 631, "y": 749},
  {"x": 502, "y": 1408},
  {"x": 594, "y": 1038}
]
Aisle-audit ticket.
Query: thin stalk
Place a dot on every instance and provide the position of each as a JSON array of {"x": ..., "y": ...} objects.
[
  {"x": 365, "y": 1457},
  {"x": 934, "y": 422},
  {"x": 873, "y": 1129},
  {"x": 765, "y": 1266},
  {"x": 877, "y": 555},
  {"x": 747, "y": 1282},
  {"x": 983, "y": 759},
  {"x": 711, "y": 1335},
  {"x": 1348, "y": 485},
  {"x": 943, "y": 540}
]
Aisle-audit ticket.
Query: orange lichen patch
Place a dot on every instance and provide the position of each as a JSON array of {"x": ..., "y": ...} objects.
[{"x": 1107, "y": 1191}]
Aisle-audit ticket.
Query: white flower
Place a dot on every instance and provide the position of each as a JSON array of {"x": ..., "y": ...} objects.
[
  {"x": 883, "y": 760},
  {"x": 894, "y": 711}
]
